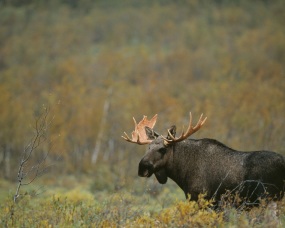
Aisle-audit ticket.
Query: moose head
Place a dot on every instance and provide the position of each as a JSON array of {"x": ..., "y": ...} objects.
[{"x": 160, "y": 149}]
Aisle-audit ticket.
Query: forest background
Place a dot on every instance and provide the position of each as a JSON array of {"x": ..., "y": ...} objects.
[{"x": 96, "y": 64}]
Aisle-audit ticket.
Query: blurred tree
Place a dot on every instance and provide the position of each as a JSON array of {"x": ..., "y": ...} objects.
[{"x": 222, "y": 58}]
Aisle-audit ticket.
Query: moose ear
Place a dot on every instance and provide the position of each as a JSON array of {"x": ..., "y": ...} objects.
[
  {"x": 151, "y": 134},
  {"x": 172, "y": 131},
  {"x": 161, "y": 176}
]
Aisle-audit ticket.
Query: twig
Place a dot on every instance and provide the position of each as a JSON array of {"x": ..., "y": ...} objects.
[{"x": 41, "y": 125}]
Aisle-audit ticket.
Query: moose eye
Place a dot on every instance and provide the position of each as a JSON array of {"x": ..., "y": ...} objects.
[{"x": 162, "y": 150}]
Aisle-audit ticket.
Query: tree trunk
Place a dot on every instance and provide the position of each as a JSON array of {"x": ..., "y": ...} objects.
[
  {"x": 106, "y": 107},
  {"x": 7, "y": 156}
]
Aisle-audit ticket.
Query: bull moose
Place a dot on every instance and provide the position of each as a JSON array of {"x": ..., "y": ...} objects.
[{"x": 208, "y": 166}]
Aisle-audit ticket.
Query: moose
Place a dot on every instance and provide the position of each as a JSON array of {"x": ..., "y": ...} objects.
[{"x": 208, "y": 166}]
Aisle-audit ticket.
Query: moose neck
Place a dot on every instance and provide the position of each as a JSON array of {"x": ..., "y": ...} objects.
[{"x": 178, "y": 166}]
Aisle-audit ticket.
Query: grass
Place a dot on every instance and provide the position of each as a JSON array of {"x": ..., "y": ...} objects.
[{"x": 70, "y": 202}]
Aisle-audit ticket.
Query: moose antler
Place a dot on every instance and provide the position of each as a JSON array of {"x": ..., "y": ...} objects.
[
  {"x": 190, "y": 130},
  {"x": 139, "y": 135}
]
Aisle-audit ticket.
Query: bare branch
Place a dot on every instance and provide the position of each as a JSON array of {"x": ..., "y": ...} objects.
[{"x": 42, "y": 124}]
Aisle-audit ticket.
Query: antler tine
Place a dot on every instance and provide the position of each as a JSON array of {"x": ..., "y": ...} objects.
[
  {"x": 170, "y": 135},
  {"x": 200, "y": 122},
  {"x": 185, "y": 135},
  {"x": 204, "y": 121},
  {"x": 190, "y": 130},
  {"x": 190, "y": 123},
  {"x": 197, "y": 126},
  {"x": 126, "y": 137}
]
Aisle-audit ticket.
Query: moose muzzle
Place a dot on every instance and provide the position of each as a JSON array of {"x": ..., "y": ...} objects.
[{"x": 146, "y": 168}]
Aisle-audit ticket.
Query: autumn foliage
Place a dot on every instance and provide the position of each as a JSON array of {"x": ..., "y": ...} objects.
[
  {"x": 222, "y": 58},
  {"x": 97, "y": 64}
]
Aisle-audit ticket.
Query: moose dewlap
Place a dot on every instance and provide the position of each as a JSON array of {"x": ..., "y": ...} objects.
[{"x": 208, "y": 166}]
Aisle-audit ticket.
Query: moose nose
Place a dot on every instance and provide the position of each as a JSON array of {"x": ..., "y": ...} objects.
[{"x": 145, "y": 168}]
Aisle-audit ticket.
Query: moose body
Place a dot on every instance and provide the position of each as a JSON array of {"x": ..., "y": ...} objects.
[{"x": 208, "y": 166}]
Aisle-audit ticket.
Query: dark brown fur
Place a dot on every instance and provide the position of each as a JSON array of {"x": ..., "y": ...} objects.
[{"x": 208, "y": 166}]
